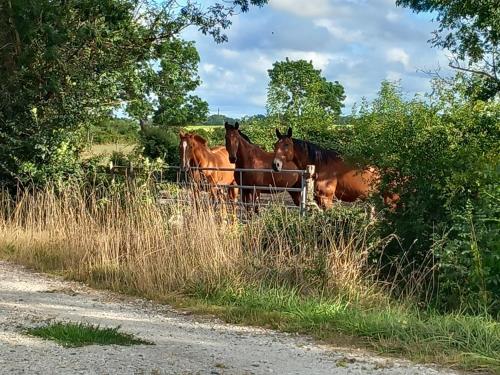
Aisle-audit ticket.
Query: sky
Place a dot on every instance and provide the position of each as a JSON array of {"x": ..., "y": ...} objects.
[{"x": 356, "y": 42}]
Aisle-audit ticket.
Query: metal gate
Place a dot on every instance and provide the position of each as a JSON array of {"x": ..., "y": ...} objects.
[{"x": 305, "y": 188}]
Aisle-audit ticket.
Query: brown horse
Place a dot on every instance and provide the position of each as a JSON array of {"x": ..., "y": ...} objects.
[
  {"x": 335, "y": 178},
  {"x": 245, "y": 154},
  {"x": 194, "y": 152}
]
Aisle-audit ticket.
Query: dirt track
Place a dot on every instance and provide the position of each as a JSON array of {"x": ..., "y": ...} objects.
[{"x": 184, "y": 344}]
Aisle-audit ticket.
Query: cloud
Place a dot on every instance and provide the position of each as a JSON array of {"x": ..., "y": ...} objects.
[
  {"x": 208, "y": 68},
  {"x": 338, "y": 31},
  {"x": 306, "y": 8},
  {"x": 320, "y": 60},
  {"x": 398, "y": 55},
  {"x": 392, "y": 16},
  {"x": 357, "y": 42}
]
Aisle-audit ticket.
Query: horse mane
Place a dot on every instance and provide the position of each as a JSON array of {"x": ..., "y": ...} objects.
[
  {"x": 245, "y": 137},
  {"x": 316, "y": 153},
  {"x": 200, "y": 139}
]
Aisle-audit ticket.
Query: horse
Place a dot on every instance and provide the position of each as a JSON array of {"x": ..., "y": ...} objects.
[
  {"x": 194, "y": 152},
  {"x": 244, "y": 154},
  {"x": 335, "y": 177}
]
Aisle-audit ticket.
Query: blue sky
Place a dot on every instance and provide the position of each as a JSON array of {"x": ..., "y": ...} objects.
[{"x": 356, "y": 42}]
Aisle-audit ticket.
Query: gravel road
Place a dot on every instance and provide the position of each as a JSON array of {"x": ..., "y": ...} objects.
[{"x": 184, "y": 344}]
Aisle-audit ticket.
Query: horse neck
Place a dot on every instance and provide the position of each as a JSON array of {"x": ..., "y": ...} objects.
[
  {"x": 202, "y": 155},
  {"x": 248, "y": 151},
  {"x": 301, "y": 158}
]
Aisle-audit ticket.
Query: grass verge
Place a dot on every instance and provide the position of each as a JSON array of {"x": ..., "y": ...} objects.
[
  {"x": 455, "y": 340},
  {"x": 309, "y": 275},
  {"x": 81, "y": 334}
]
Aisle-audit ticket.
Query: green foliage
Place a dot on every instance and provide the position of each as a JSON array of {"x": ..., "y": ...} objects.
[
  {"x": 114, "y": 130},
  {"x": 441, "y": 154},
  {"x": 219, "y": 120},
  {"x": 80, "y": 334},
  {"x": 65, "y": 64},
  {"x": 316, "y": 232},
  {"x": 469, "y": 29},
  {"x": 298, "y": 93},
  {"x": 170, "y": 84},
  {"x": 161, "y": 143}
]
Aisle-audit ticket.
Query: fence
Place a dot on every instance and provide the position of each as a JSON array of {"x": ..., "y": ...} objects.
[{"x": 182, "y": 179}]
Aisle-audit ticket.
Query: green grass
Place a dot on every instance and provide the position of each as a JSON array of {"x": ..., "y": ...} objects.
[
  {"x": 456, "y": 340},
  {"x": 203, "y": 127},
  {"x": 80, "y": 334},
  {"x": 107, "y": 149}
]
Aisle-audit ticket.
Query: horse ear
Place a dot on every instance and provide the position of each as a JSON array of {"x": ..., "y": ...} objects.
[
  {"x": 236, "y": 125},
  {"x": 181, "y": 133},
  {"x": 289, "y": 134},
  {"x": 278, "y": 133},
  {"x": 226, "y": 125}
]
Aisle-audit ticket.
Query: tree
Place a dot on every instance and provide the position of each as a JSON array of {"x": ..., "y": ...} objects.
[
  {"x": 470, "y": 29},
  {"x": 296, "y": 89},
  {"x": 65, "y": 63},
  {"x": 163, "y": 87}
]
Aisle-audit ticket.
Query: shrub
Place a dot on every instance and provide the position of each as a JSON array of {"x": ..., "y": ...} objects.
[
  {"x": 161, "y": 143},
  {"x": 114, "y": 130},
  {"x": 442, "y": 153}
]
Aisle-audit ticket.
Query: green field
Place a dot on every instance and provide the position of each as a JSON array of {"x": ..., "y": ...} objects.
[
  {"x": 107, "y": 149},
  {"x": 203, "y": 127}
]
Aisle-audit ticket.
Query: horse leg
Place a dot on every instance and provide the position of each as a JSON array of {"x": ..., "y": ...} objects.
[
  {"x": 232, "y": 197},
  {"x": 296, "y": 196},
  {"x": 232, "y": 192},
  {"x": 325, "y": 193},
  {"x": 256, "y": 198},
  {"x": 391, "y": 200}
]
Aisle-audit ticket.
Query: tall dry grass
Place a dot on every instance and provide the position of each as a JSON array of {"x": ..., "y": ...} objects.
[
  {"x": 310, "y": 274},
  {"x": 128, "y": 242}
]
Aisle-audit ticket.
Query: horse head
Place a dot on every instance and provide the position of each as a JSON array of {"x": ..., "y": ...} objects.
[
  {"x": 232, "y": 140},
  {"x": 283, "y": 149},
  {"x": 185, "y": 154}
]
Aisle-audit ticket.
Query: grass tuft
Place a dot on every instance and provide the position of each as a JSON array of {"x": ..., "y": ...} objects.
[{"x": 81, "y": 334}]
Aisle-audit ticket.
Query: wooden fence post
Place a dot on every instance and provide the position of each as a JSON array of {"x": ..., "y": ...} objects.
[
  {"x": 130, "y": 171},
  {"x": 112, "y": 171},
  {"x": 310, "y": 202}
]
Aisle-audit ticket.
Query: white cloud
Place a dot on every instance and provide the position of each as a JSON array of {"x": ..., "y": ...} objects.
[
  {"x": 208, "y": 68},
  {"x": 229, "y": 54},
  {"x": 259, "y": 62},
  {"x": 320, "y": 60},
  {"x": 398, "y": 55},
  {"x": 392, "y": 16},
  {"x": 338, "y": 31},
  {"x": 357, "y": 42},
  {"x": 303, "y": 8}
]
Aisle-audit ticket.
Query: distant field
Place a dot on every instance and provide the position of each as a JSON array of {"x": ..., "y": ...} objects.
[
  {"x": 204, "y": 127},
  {"x": 107, "y": 149}
]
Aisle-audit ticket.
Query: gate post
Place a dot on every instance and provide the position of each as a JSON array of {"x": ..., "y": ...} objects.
[
  {"x": 310, "y": 203},
  {"x": 112, "y": 170}
]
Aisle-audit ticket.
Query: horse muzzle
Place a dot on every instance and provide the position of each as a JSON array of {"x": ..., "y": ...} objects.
[
  {"x": 232, "y": 159},
  {"x": 277, "y": 165}
]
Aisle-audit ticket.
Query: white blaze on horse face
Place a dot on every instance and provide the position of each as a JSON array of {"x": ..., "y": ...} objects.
[{"x": 184, "y": 147}]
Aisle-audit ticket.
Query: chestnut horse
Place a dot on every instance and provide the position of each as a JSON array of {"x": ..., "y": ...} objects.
[
  {"x": 245, "y": 154},
  {"x": 335, "y": 178},
  {"x": 194, "y": 152}
]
